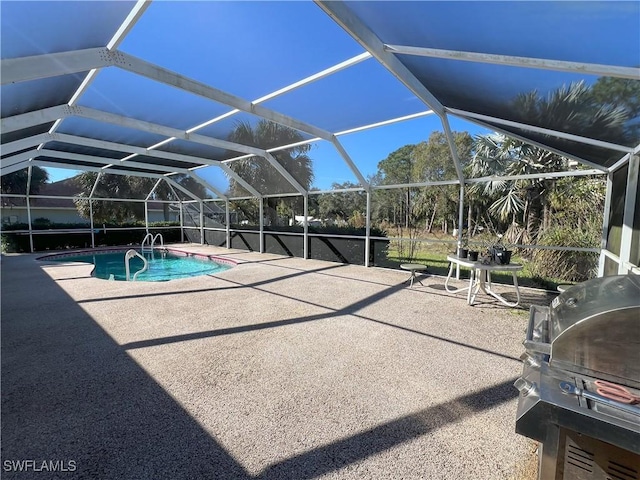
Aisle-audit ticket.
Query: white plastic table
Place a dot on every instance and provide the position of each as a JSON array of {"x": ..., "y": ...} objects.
[{"x": 480, "y": 279}]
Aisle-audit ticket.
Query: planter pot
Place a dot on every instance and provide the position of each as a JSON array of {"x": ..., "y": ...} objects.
[
  {"x": 462, "y": 252},
  {"x": 503, "y": 256},
  {"x": 473, "y": 255}
]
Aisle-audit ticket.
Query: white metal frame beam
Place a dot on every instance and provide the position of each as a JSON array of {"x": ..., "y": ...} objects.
[
  {"x": 103, "y": 161},
  {"x": 106, "y": 145},
  {"x": 352, "y": 24},
  {"x": 28, "y": 142},
  {"x": 533, "y": 142},
  {"x": 526, "y": 62},
  {"x": 23, "y": 69},
  {"x": 44, "y": 163},
  {"x": 62, "y": 111},
  {"x": 35, "y": 67},
  {"x": 305, "y": 81},
  {"x": 546, "y": 131},
  {"x": 240, "y": 180},
  {"x": 574, "y": 173},
  {"x": 134, "y": 15},
  {"x": 168, "y": 77},
  {"x": 629, "y": 213},
  {"x": 15, "y": 159},
  {"x": 31, "y": 119},
  {"x": 606, "y": 219},
  {"x": 14, "y": 167},
  {"x": 90, "y": 142},
  {"x": 344, "y": 17},
  {"x": 162, "y": 75}
]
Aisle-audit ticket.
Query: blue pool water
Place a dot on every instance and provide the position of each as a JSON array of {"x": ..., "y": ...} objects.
[{"x": 161, "y": 267}]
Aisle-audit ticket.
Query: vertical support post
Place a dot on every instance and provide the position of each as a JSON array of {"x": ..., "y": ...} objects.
[
  {"x": 460, "y": 223},
  {"x": 261, "y": 223},
  {"x": 201, "y": 222},
  {"x": 146, "y": 205},
  {"x": 605, "y": 224},
  {"x": 30, "y": 226},
  {"x": 29, "y": 170},
  {"x": 181, "y": 222},
  {"x": 629, "y": 213},
  {"x": 93, "y": 235},
  {"x": 367, "y": 234},
  {"x": 305, "y": 226},
  {"x": 93, "y": 190},
  {"x": 146, "y": 216},
  {"x": 227, "y": 220}
]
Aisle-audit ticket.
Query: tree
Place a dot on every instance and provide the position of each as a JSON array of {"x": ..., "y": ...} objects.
[
  {"x": 577, "y": 204},
  {"x": 433, "y": 162},
  {"x": 262, "y": 175},
  {"x": 621, "y": 93},
  {"x": 574, "y": 108},
  {"x": 514, "y": 201},
  {"x": 618, "y": 93},
  {"x": 126, "y": 187},
  {"x": 111, "y": 186},
  {"x": 398, "y": 168},
  {"x": 426, "y": 161},
  {"x": 527, "y": 201},
  {"x": 16, "y": 182},
  {"x": 343, "y": 206}
]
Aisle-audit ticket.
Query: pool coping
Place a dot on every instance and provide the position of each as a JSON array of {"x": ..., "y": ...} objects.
[
  {"x": 60, "y": 256},
  {"x": 94, "y": 251}
]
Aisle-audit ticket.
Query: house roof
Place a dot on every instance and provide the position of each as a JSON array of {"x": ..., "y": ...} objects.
[{"x": 155, "y": 89}]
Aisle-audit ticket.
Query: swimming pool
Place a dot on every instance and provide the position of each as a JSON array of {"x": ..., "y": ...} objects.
[{"x": 167, "y": 265}]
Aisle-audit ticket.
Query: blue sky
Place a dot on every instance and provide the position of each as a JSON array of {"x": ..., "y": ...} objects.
[
  {"x": 250, "y": 49},
  {"x": 362, "y": 94},
  {"x": 365, "y": 148}
]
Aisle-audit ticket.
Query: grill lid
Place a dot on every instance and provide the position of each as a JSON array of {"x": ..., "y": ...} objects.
[{"x": 594, "y": 328}]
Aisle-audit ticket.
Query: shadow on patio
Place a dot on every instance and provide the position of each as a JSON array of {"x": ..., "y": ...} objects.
[{"x": 69, "y": 392}]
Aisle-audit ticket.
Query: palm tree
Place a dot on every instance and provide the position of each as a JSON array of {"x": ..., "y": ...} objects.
[
  {"x": 572, "y": 108},
  {"x": 262, "y": 175},
  {"x": 511, "y": 200}
]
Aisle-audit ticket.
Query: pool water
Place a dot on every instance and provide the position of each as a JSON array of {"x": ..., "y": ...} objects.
[{"x": 162, "y": 267}]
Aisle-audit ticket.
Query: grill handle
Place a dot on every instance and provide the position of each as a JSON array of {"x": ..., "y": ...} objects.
[
  {"x": 569, "y": 389},
  {"x": 536, "y": 330}
]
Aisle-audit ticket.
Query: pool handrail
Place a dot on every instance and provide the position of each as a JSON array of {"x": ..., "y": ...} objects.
[
  {"x": 151, "y": 240},
  {"x": 154, "y": 241},
  {"x": 128, "y": 256},
  {"x": 148, "y": 236}
]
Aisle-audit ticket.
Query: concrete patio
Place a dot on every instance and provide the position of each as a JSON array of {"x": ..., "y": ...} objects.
[{"x": 280, "y": 368}]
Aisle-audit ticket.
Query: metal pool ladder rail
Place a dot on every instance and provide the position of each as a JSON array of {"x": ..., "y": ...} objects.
[
  {"x": 127, "y": 257},
  {"x": 151, "y": 240}
]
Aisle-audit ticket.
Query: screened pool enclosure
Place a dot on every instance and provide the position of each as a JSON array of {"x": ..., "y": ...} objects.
[{"x": 249, "y": 124}]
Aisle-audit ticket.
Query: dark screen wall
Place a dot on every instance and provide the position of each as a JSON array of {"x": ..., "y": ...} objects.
[{"x": 321, "y": 247}]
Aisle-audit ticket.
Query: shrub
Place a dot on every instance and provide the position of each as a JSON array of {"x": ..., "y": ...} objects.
[
  {"x": 41, "y": 222},
  {"x": 566, "y": 265}
]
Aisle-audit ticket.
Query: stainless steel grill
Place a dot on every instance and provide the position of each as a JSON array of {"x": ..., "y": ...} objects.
[{"x": 581, "y": 381}]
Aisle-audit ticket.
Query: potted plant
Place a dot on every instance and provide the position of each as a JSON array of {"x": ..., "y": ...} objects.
[
  {"x": 502, "y": 251},
  {"x": 473, "y": 251},
  {"x": 463, "y": 248}
]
